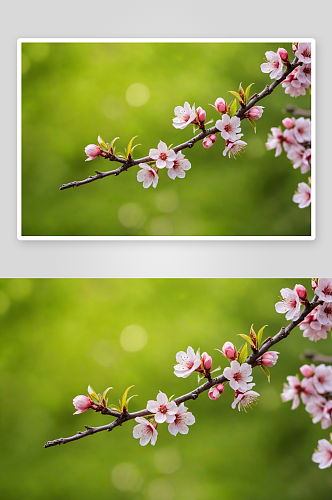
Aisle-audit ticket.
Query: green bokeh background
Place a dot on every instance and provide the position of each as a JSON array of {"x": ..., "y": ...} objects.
[
  {"x": 74, "y": 91},
  {"x": 59, "y": 335}
]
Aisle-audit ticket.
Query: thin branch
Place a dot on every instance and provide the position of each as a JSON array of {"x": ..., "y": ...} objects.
[
  {"x": 251, "y": 360},
  {"x": 297, "y": 111},
  {"x": 126, "y": 164},
  {"x": 315, "y": 357}
]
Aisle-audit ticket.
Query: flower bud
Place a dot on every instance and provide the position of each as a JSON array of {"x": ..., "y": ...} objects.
[
  {"x": 269, "y": 358},
  {"x": 314, "y": 284},
  {"x": 283, "y": 56},
  {"x": 209, "y": 141},
  {"x": 215, "y": 392},
  {"x": 220, "y": 105},
  {"x": 255, "y": 112},
  {"x": 82, "y": 403},
  {"x": 307, "y": 371},
  {"x": 201, "y": 114},
  {"x": 288, "y": 123},
  {"x": 207, "y": 361},
  {"x": 92, "y": 151},
  {"x": 229, "y": 350},
  {"x": 302, "y": 293}
]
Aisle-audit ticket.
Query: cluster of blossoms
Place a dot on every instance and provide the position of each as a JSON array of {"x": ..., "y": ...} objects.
[
  {"x": 319, "y": 321},
  {"x": 296, "y": 138},
  {"x": 315, "y": 391},
  {"x": 177, "y": 418}
]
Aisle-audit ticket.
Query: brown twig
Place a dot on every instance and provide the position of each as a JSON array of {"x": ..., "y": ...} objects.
[
  {"x": 126, "y": 164},
  {"x": 251, "y": 360},
  {"x": 297, "y": 111}
]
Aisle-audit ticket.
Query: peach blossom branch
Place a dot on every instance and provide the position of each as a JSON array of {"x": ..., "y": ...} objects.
[{"x": 251, "y": 360}]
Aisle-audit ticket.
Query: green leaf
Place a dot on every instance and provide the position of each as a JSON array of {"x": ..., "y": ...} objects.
[
  {"x": 266, "y": 371},
  {"x": 102, "y": 143},
  {"x": 112, "y": 144},
  {"x": 252, "y": 123},
  {"x": 243, "y": 354},
  {"x": 130, "y": 148},
  {"x": 246, "y": 93},
  {"x": 233, "y": 108},
  {"x": 236, "y": 94},
  {"x": 259, "y": 336},
  {"x": 93, "y": 394},
  {"x": 124, "y": 397},
  {"x": 114, "y": 408},
  {"x": 246, "y": 337},
  {"x": 105, "y": 392}
]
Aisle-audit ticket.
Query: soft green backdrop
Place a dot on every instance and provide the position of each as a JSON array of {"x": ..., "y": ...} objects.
[
  {"x": 59, "y": 335},
  {"x": 71, "y": 92}
]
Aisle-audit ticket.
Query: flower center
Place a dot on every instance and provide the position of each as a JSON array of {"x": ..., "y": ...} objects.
[{"x": 163, "y": 156}]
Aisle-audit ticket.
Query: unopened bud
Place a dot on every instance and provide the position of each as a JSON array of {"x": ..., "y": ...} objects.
[
  {"x": 207, "y": 361},
  {"x": 220, "y": 105},
  {"x": 209, "y": 141},
  {"x": 229, "y": 350},
  {"x": 307, "y": 371},
  {"x": 92, "y": 151},
  {"x": 215, "y": 392},
  {"x": 283, "y": 56},
  {"x": 201, "y": 114},
  {"x": 288, "y": 123},
  {"x": 255, "y": 112},
  {"x": 269, "y": 358},
  {"x": 302, "y": 293}
]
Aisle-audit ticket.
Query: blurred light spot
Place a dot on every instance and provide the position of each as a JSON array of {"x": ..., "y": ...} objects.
[
  {"x": 161, "y": 226},
  {"x": 167, "y": 200},
  {"x": 112, "y": 107},
  {"x": 137, "y": 94},
  {"x": 269, "y": 399},
  {"x": 160, "y": 489},
  {"x": 4, "y": 302},
  {"x": 126, "y": 477},
  {"x": 256, "y": 148},
  {"x": 39, "y": 51},
  {"x": 19, "y": 289},
  {"x": 131, "y": 215},
  {"x": 167, "y": 460},
  {"x": 133, "y": 338},
  {"x": 25, "y": 63},
  {"x": 103, "y": 353}
]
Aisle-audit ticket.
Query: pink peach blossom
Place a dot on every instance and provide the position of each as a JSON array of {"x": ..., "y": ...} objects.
[
  {"x": 302, "y": 293},
  {"x": 269, "y": 358},
  {"x": 201, "y": 114},
  {"x": 238, "y": 375},
  {"x": 307, "y": 370},
  {"x": 290, "y": 304},
  {"x": 184, "y": 116},
  {"x": 302, "y": 195},
  {"x": 183, "y": 418},
  {"x": 255, "y": 112},
  {"x": 229, "y": 127},
  {"x": 304, "y": 73},
  {"x": 234, "y": 148},
  {"x": 289, "y": 123},
  {"x": 315, "y": 406},
  {"x": 322, "y": 379},
  {"x": 164, "y": 157},
  {"x": 145, "y": 432},
  {"x": 324, "y": 289},
  {"x": 303, "y": 52},
  {"x": 323, "y": 456},
  {"x": 209, "y": 141},
  {"x": 164, "y": 410},
  {"x": 220, "y": 105},
  {"x": 273, "y": 65},
  {"x": 187, "y": 362},
  {"x": 245, "y": 400},
  {"x": 147, "y": 175},
  {"x": 207, "y": 361},
  {"x": 275, "y": 140},
  {"x": 283, "y": 56},
  {"x": 324, "y": 314},
  {"x": 302, "y": 129},
  {"x": 179, "y": 166}
]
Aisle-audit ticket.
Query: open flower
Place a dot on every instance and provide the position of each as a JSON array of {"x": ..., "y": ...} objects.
[
  {"x": 145, "y": 432},
  {"x": 184, "y": 115},
  {"x": 183, "y": 418},
  {"x": 180, "y": 164},
  {"x": 322, "y": 379},
  {"x": 147, "y": 175},
  {"x": 302, "y": 195},
  {"x": 82, "y": 403},
  {"x": 229, "y": 127},
  {"x": 188, "y": 362},
  {"x": 245, "y": 399},
  {"x": 238, "y": 375},
  {"x": 323, "y": 456},
  {"x": 324, "y": 314},
  {"x": 274, "y": 64},
  {"x": 324, "y": 289},
  {"x": 164, "y": 410},
  {"x": 304, "y": 52},
  {"x": 290, "y": 304},
  {"x": 234, "y": 148},
  {"x": 164, "y": 158},
  {"x": 296, "y": 389}
]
